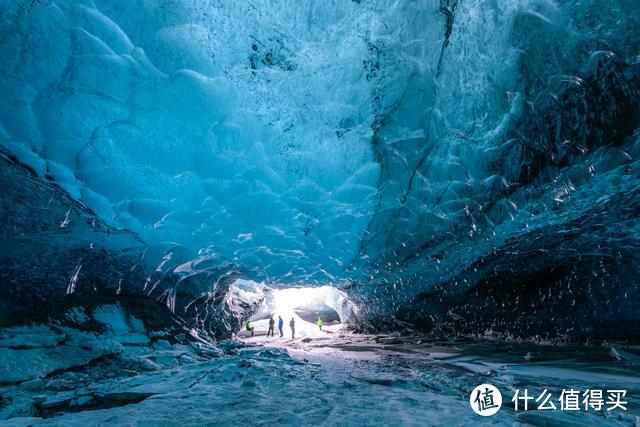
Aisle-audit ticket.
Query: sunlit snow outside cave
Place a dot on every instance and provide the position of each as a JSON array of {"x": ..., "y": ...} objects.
[{"x": 439, "y": 193}]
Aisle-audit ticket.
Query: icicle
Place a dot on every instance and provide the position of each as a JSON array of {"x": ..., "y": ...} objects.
[
  {"x": 65, "y": 222},
  {"x": 171, "y": 299},
  {"x": 71, "y": 287}
]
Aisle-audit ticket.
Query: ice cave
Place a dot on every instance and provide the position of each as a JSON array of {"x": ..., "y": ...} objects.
[{"x": 419, "y": 197}]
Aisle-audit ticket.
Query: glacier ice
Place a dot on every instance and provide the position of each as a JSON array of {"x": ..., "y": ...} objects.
[
  {"x": 171, "y": 169},
  {"x": 432, "y": 159}
]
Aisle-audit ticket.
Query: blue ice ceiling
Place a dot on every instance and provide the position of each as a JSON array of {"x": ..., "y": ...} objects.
[
  {"x": 242, "y": 129},
  {"x": 408, "y": 147}
]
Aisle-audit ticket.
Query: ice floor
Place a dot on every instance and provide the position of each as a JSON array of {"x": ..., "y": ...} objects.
[{"x": 327, "y": 378}]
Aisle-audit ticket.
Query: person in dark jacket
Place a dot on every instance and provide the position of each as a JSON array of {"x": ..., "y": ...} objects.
[{"x": 271, "y": 325}]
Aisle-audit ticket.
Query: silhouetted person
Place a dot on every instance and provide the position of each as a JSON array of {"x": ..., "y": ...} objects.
[
  {"x": 280, "y": 325},
  {"x": 320, "y": 323},
  {"x": 271, "y": 325},
  {"x": 250, "y": 328},
  {"x": 292, "y": 325}
]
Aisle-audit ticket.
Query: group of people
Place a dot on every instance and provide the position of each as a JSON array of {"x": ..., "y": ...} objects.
[
  {"x": 292, "y": 325},
  {"x": 272, "y": 323}
]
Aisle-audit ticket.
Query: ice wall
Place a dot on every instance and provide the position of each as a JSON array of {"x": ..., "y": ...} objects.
[
  {"x": 517, "y": 209},
  {"x": 415, "y": 152}
]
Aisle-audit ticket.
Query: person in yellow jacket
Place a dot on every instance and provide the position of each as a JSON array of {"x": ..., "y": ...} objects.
[
  {"x": 250, "y": 328},
  {"x": 320, "y": 323}
]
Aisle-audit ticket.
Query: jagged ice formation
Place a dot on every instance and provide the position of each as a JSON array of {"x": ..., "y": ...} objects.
[{"x": 463, "y": 165}]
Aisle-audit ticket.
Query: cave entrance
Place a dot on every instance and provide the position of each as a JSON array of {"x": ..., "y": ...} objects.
[{"x": 305, "y": 305}]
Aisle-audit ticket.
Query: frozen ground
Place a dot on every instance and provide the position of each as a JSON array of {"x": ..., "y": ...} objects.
[{"x": 129, "y": 376}]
